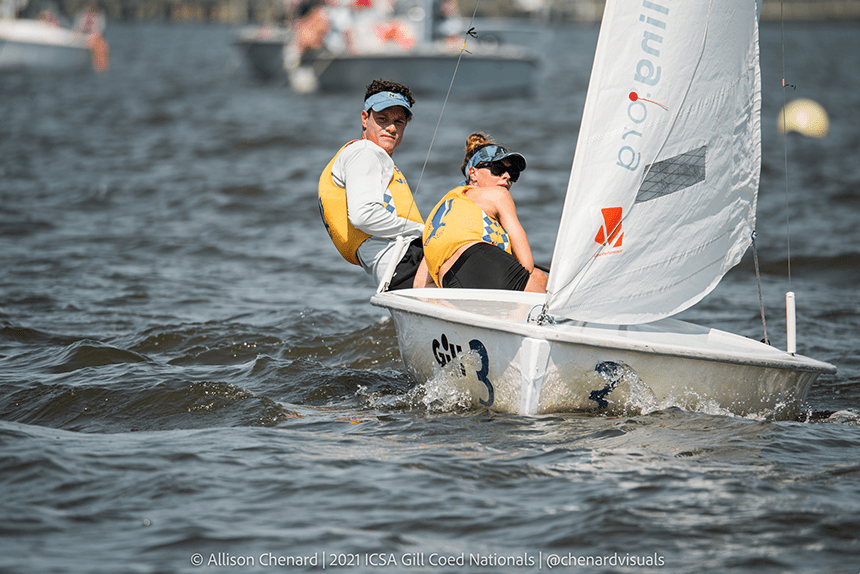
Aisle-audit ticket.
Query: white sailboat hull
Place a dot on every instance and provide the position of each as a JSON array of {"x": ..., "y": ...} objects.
[
  {"x": 511, "y": 364},
  {"x": 30, "y": 44}
]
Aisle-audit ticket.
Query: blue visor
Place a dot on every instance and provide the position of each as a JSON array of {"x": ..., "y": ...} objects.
[
  {"x": 382, "y": 100},
  {"x": 493, "y": 153}
]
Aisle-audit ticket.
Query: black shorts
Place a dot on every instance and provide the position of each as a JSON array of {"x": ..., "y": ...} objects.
[
  {"x": 485, "y": 266},
  {"x": 405, "y": 271}
]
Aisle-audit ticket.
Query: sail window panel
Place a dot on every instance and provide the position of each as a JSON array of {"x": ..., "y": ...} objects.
[{"x": 674, "y": 174}]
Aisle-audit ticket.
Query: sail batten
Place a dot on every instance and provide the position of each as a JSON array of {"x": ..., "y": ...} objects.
[{"x": 662, "y": 193}]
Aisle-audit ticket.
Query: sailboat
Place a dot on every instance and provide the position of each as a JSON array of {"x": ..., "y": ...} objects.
[{"x": 660, "y": 205}]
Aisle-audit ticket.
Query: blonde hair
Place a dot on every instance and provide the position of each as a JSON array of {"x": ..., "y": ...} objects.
[{"x": 475, "y": 142}]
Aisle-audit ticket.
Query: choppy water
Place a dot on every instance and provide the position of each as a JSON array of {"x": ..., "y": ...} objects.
[{"x": 188, "y": 370}]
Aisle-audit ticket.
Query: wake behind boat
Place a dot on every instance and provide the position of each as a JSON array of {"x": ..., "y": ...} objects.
[{"x": 660, "y": 205}]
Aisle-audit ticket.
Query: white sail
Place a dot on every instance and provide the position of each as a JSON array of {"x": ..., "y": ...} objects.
[{"x": 662, "y": 194}]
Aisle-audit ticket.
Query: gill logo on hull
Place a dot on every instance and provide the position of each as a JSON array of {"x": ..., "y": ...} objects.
[{"x": 445, "y": 351}]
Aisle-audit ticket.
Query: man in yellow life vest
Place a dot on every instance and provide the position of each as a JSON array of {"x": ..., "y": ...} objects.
[{"x": 364, "y": 200}]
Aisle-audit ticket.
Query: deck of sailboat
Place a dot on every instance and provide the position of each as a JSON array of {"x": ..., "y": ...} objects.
[{"x": 515, "y": 312}]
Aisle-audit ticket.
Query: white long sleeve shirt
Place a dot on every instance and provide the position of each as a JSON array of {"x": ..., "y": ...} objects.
[{"x": 364, "y": 169}]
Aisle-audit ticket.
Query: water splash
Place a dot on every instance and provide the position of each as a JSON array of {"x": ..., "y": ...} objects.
[
  {"x": 846, "y": 417},
  {"x": 440, "y": 394},
  {"x": 625, "y": 392}
]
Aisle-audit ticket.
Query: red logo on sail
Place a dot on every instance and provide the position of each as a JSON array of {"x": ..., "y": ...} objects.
[{"x": 609, "y": 234}]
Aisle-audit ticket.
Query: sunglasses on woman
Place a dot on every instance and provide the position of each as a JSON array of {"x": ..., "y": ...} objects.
[{"x": 497, "y": 168}]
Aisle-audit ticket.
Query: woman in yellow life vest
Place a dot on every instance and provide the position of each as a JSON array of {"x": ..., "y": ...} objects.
[{"x": 473, "y": 238}]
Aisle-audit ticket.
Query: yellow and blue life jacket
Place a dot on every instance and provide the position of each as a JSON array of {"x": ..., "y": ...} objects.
[
  {"x": 397, "y": 198},
  {"x": 457, "y": 221}
]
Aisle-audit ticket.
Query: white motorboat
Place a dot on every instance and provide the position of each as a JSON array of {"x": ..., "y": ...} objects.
[
  {"x": 35, "y": 44},
  {"x": 43, "y": 42},
  {"x": 416, "y": 60}
]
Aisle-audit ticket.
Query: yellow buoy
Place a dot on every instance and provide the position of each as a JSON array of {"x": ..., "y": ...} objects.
[{"x": 803, "y": 116}]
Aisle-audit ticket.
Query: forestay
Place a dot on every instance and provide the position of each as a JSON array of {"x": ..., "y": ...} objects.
[{"x": 662, "y": 194}]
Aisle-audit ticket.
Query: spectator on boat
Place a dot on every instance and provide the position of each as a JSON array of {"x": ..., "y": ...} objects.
[
  {"x": 375, "y": 27},
  {"x": 473, "y": 238},
  {"x": 364, "y": 199},
  {"x": 309, "y": 26},
  {"x": 447, "y": 23},
  {"x": 92, "y": 24},
  {"x": 340, "y": 17}
]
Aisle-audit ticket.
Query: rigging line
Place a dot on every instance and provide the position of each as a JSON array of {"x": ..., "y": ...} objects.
[
  {"x": 470, "y": 31},
  {"x": 760, "y": 299},
  {"x": 785, "y": 143},
  {"x": 401, "y": 246}
]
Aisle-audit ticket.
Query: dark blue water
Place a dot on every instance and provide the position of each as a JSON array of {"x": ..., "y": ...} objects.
[{"x": 189, "y": 372}]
